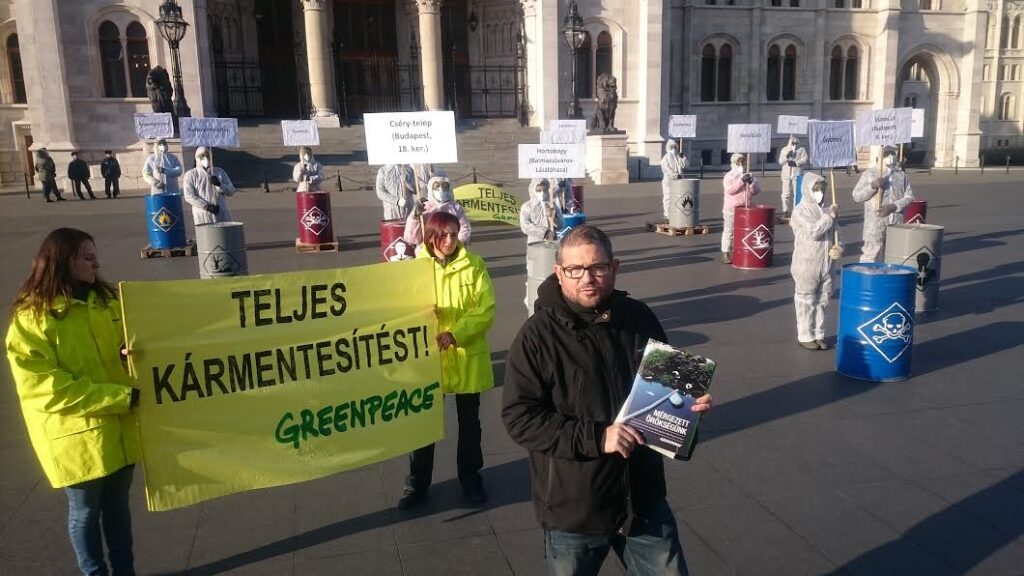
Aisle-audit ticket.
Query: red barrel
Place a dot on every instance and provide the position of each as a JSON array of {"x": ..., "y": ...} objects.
[
  {"x": 576, "y": 204},
  {"x": 392, "y": 246},
  {"x": 916, "y": 212},
  {"x": 313, "y": 211},
  {"x": 753, "y": 240}
]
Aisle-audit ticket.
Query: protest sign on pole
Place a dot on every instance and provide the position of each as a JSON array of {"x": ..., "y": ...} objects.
[
  {"x": 209, "y": 132},
  {"x": 917, "y": 123},
  {"x": 748, "y": 138},
  {"x": 792, "y": 124},
  {"x": 488, "y": 203},
  {"x": 832, "y": 143},
  {"x": 682, "y": 126},
  {"x": 410, "y": 138},
  {"x": 154, "y": 125},
  {"x": 563, "y": 136},
  {"x": 887, "y": 127},
  {"x": 552, "y": 161},
  {"x": 300, "y": 133},
  {"x": 257, "y": 381},
  {"x": 562, "y": 124}
]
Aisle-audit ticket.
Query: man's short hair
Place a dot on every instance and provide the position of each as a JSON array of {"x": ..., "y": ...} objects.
[
  {"x": 108, "y": 151},
  {"x": 585, "y": 234}
]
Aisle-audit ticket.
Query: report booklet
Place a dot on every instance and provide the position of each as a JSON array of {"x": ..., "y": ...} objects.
[{"x": 667, "y": 383}]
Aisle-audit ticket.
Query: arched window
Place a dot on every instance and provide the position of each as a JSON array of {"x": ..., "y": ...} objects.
[
  {"x": 835, "y": 77},
  {"x": 1004, "y": 36},
  {"x": 776, "y": 3},
  {"x": 603, "y": 54},
  {"x": 112, "y": 60},
  {"x": 724, "y": 74},
  {"x": 138, "y": 58},
  {"x": 1008, "y": 107},
  {"x": 774, "y": 72},
  {"x": 17, "y": 73},
  {"x": 716, "y": 73},
  {"x": 584, "y": 77},
  {"x": 852, "y": 71},
  {"x": 1015, "y": 33},
  {"x": 789, "y": 74},
  {"x": 707, "y": 74}
]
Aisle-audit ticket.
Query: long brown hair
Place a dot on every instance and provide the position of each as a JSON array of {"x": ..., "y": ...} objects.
[{"x": 51, "y": 274}]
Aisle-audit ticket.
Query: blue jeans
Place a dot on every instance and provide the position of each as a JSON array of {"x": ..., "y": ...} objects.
[
  {"x": 652, "y": 549},
  {"x": 98, "y": 511}
]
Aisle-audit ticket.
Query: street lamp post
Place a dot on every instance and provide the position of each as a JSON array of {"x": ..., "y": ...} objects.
[
  {"x": 172, "y": 27},
  {"x": 574, "y": 35}
]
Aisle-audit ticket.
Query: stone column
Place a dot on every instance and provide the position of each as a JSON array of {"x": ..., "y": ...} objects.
[
  {"x": 757, "y": 55},
  {"x": 321, "y": 70},
  {"x": 543, "y": 41},
  {"x": 968, "y": 127},
  {"x": 431, "y": 53},
  {"x": 885, "y": 67},
  {"x": 651, "y": 86},
  {"x": 46, "y": 79},
  {"x": 817, "y": 55}
]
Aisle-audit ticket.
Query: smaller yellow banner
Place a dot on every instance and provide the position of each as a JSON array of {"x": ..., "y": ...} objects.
[{"x": 486, "y": 202}]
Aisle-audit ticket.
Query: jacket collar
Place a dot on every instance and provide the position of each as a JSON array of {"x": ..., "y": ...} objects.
[{"x": 549, "y": 295}]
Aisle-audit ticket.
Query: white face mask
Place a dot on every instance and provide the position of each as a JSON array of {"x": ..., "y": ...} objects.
[
  {"x": 205, "y": 163},
  {"x": 890, "y": 161},
  {"x": 737, "y": 168},
  {"x": 161, "y": 149},
  {"x": 306, "y": 158},
  {"x": 818, "y": 195},
  {"x": 541, "y": 195}
]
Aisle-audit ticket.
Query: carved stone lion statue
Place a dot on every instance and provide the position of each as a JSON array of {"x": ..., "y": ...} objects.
[
  {"x": 607, "y": 102},
  {"x": 159, "y": 90}
]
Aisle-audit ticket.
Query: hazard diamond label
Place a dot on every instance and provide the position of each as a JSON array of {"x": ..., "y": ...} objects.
[
  {"x": 759, "y": 241},
  {"x": 164, "y": 219}
]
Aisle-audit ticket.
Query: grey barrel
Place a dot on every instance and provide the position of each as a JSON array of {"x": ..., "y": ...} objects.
[
  {"x": 684, "y": 203},
  {"x": 540, "y": 260},
  {"x": 221, "y": 247},
  {"x": 920, "y": 247}
]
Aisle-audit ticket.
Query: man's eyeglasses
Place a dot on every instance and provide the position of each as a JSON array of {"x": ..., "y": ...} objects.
[{"x": 599, "y": 270}]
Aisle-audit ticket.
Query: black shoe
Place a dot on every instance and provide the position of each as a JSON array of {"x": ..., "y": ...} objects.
[
  {"x": 60, "y": 198},
  {"x": 49, "y": 199},
  {"x": 810, "y": 345},
  {"x": 411, "y": 498},
  {"x": 475, "y": 495},
  {"x": 822, "y": 345}
]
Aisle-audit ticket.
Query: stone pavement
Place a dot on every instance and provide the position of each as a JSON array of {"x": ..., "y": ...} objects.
[{"x": 799, "y": 470}]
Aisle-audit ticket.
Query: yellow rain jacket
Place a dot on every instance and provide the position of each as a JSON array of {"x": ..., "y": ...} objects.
[
  {"x": 465, "y": 305},
  {"x": 75, "y": 392}
]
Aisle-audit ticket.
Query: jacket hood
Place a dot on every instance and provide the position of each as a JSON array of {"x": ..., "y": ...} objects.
[{"x": 810, "y": 179}]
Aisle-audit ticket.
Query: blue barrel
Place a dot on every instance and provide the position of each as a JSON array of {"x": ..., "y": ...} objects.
[
  {"x": 876, "y": 322},
  {"x": 797, "y": 194},
  {"x": 571, "y": 221},
  {"x": 166, "y": 224}
]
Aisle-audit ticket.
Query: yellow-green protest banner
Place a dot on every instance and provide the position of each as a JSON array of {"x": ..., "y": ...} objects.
[
  {"x": 486, "y": 202},
  {"x": 258, "y": 381}
]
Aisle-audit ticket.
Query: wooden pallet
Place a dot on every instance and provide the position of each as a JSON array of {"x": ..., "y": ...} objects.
[
  {"x": 311, "y": 248},
  {"x": 668, "y": 230},
  {"x": 188, "y": 250}
]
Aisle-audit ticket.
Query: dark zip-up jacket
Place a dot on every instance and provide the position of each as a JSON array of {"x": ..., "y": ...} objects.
[
  {"x": 78, "y": 170},
  {"x": 110, "y": 168},
  {"x": 565, "y": 379}
]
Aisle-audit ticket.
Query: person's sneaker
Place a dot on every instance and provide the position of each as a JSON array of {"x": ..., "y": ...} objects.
[
  {"x": 411, "y": 498},
  {"x": 822, "y": 345},
  {"x": 810, "y": 345},
  {"x": 60, "y": 199},
  {"x": 475, "y": 495},
  {"x": 726, "y": 258}
]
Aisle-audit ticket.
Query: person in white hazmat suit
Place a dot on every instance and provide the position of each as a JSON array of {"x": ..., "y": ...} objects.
[
  {"x": 161, "y": 170},
  {"x": 894, "y": 187},
  {"x": 207, "y": 189},
  {"x": 307, "y": 172},
  {"x": 813, "y": 235},
  {"x": 439, "y": 198},
  {"x": 672, "y": 167},
  {"x": 396, "y": 190},
  {"x": 539, "y": 218},
  {"x": 792, "y": 159}
]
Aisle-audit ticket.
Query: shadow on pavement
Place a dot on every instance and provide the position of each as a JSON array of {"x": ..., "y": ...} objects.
[{"x": 967, "y": 346}]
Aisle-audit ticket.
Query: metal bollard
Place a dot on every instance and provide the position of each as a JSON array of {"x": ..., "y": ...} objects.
[
  {"x": 266, "y": 184},
  {"x": 338, "y": 176},
  {"x": 28, "y": 192},
  {"x": 956, "y": 166},
  {"x": 702, "y": 168},
  {"x": 1007, "y": 163},
  {"x": 982, "y": 157},
  {"x": 474, "y": 175}
]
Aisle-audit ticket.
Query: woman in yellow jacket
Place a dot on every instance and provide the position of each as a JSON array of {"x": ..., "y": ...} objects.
[
  {"x": 465, "y": 312},
  {"x": 64, "y": 347}
]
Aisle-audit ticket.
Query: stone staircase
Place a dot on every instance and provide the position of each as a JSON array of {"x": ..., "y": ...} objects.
[{"x": 489, "y": 146}]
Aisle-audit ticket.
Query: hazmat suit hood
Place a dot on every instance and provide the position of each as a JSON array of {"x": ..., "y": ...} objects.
[
  {"x": 807, "y": 188},
  {"x": 306, "y": 154},
  {"x": 203, "y": 153},
  {"x": 736, "y": 162},
  {"x": 443, "y": 193},
  {"x": 544, "y": 196},
  {"x": 671, "y": 146},
  {"x": 794, "y": 141}
]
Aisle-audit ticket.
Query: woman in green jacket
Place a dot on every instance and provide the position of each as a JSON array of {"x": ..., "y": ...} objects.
[
  {"x": 64, "y": 346},
  {"x": 465, "y": 312}
]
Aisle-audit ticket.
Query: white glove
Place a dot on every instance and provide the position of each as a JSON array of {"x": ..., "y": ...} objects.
[{"x": 401, "y": 201}]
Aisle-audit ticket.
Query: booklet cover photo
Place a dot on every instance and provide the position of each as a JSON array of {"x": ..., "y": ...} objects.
[{"x": 667, "y": 383}]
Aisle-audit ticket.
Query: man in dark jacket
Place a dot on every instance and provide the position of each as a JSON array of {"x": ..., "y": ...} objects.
[
  {"x": 46, "y": 171},
  {"x": 568, "y": 372},
  {"x": 110, "y": 169},
  {"x": 78, "y": 173}
]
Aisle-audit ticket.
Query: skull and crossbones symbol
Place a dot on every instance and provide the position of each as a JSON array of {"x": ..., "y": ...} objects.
[{"x": 893, "y": 327}]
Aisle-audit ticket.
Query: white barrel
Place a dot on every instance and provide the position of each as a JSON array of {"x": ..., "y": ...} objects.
[
  {"x": 920, "y": 247},
  {"x": 221, "y": 247},
  {"x": 540, "y": 262},
  {"x": 684, "y": 203}
]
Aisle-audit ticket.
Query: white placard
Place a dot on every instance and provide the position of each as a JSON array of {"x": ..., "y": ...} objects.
[
  {"x": 578, "y": 125},
  {"x": 748, "y": 138},
  {"x": 917, "y": 123},
  {"x": 832, "y": 143},
  {"x": 154, "y": 125},
  {"x": 792, "y": 124},
  {"x": 410, "y": 138},
  {"x": 552, "y": 160},
  {"x": 886, "y": 127},
  {"x": 209, "y": 132},
  {"x": 563, "y": 136},
  {"x": 300, "y": 133},
  {"x": 682, "y": 126}
]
